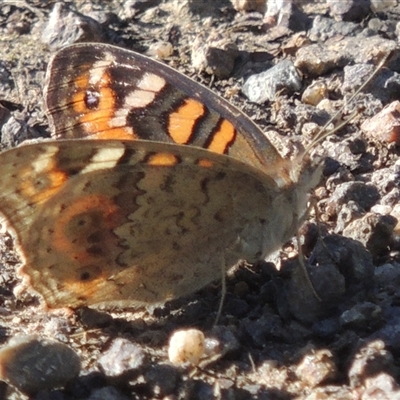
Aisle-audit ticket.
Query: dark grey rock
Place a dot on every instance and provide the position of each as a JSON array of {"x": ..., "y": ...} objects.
[
  {"x": 162, "y": 379},
  {"x": 325, "y": 28},
  {"x": 373, "y": 230},
  {"x": 364, "y": 316},
  {"x": 108, "y": 392},
  {"x": 31, "y": 364},
  {"x": 363, "y": 195},
  {"x": 265, "y": 86},
  {"x": 349, "y": 10}
]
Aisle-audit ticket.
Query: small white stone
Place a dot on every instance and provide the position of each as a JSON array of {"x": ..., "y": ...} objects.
[
  {"x": 186, "y": 346},
  {"x": 381, "y": 209},
  {"x": 160, "y": 50}
]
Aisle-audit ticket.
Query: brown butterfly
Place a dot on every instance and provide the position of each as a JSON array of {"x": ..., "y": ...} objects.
[{"x": 181, "y": 185}]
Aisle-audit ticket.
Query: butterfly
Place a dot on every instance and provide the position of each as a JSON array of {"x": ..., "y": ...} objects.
[{"x": 153, "y": 185}]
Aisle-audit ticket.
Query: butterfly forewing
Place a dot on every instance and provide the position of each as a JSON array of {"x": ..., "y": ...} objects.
[{"x": 119, "y": 94}]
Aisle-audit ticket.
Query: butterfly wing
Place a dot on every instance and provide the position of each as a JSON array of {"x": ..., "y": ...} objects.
[
  {"x": 133, "y": 222},
  {"x": 107, "y": 92}
]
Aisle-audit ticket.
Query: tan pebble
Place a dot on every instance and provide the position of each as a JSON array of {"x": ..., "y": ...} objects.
[
  {"x": 315, "y": 93},
  {"x": 317, "y": 367},
  {"x": 160, "y": 50},
  {"x": 186, "y": 346},
  {"x": 384, "y": 126},
  {"x": 249, "y": 5}
]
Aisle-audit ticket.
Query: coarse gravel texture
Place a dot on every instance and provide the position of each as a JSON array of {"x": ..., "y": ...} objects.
[{"x": 275, "y": 338}]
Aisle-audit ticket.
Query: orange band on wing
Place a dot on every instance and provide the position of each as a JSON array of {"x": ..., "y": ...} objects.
[
  {"x": 183, "y": 120},
  {"x": 222, "y": 138}
]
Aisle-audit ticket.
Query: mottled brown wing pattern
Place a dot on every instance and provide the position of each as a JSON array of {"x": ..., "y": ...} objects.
[{"x": 114, "y": 222}]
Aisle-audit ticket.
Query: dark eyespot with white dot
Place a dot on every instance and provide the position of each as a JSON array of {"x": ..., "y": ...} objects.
[{"x": 92, "y": 99}]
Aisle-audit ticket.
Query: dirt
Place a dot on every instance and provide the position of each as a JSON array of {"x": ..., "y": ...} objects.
[{"x": 275, "y": 339}]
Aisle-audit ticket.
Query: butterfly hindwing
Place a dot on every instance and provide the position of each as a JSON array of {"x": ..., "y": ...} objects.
[{"x": 101, "y": 220}]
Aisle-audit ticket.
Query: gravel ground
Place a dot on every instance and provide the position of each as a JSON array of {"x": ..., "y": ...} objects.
[{"x": 275, "y": 339}]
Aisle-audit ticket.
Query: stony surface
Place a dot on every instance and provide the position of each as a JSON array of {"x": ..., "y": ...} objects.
[{"x": 277, "y": 338}]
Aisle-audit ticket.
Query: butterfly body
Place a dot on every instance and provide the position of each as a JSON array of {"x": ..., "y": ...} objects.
[{"x": 145, "y": 220}]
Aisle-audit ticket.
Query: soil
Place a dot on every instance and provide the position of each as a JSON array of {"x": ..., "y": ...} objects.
[{"x": 278, "y": 336}]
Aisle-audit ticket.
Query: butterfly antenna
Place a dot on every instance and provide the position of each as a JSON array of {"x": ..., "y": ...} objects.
[{"x": 323, "y": 133}]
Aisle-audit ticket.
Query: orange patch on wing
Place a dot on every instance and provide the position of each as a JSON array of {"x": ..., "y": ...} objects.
[
  {"x": 97, "y": 121},
  {"x": 222, "y": 138},
  {"x": 93, "y": 214},
  {"x": 116, "y": 133},
  {"x": 182, "y": 121},
  {"x": 46, "y": 186},
  {"x": 162, "y": 159},
  {"x": 205, "y": 163}
]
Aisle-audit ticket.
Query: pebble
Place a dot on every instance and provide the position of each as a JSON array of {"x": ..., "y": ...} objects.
[
  {"x": 382, "y": 387},
  {"x": 13, "y": 131},
  {"x": 220, "y": 342},
  {"x": 349, "y": 10},
  {"x": 384, "y": 87},
  {"x": 121, "y": 358},
  {"x": 348, "y": 213},
  {"x": 160, "y": 50},
  {"x": 66, "y": 27},
  {"x": 318, "y": 59},
  {"x": 249, "y": 5},
  {"x": 214, "y": 55},
  {"x": 381, "y": 5},
  {"x": 315, "y": 93},
  {"x": 133, "y": 7},
  {"x": 384, "y": 126},
  {"x": 186, "y": 346},
  {"x": 325, "y": 28},
  {"x": 263, "y": 87},
  {"x": 350, "y": 256},
  {"x": 374, "y": 231},
  {"x": 317, "y": 367},
  {"x": 369, "y": 359},
  {"x": 285, "y": 17},
  {"x": 364, "y": 195},
  {"x": 364, "y": 316},
  {"x": 327, "y": 282},
  {"x": 31, "y": 363}
]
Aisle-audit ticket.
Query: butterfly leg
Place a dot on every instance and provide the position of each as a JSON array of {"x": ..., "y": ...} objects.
[
  {"x": 302, "y": 262},
  {"x": 223, "y": 292},
  {"x": 301, "y": 255}
]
